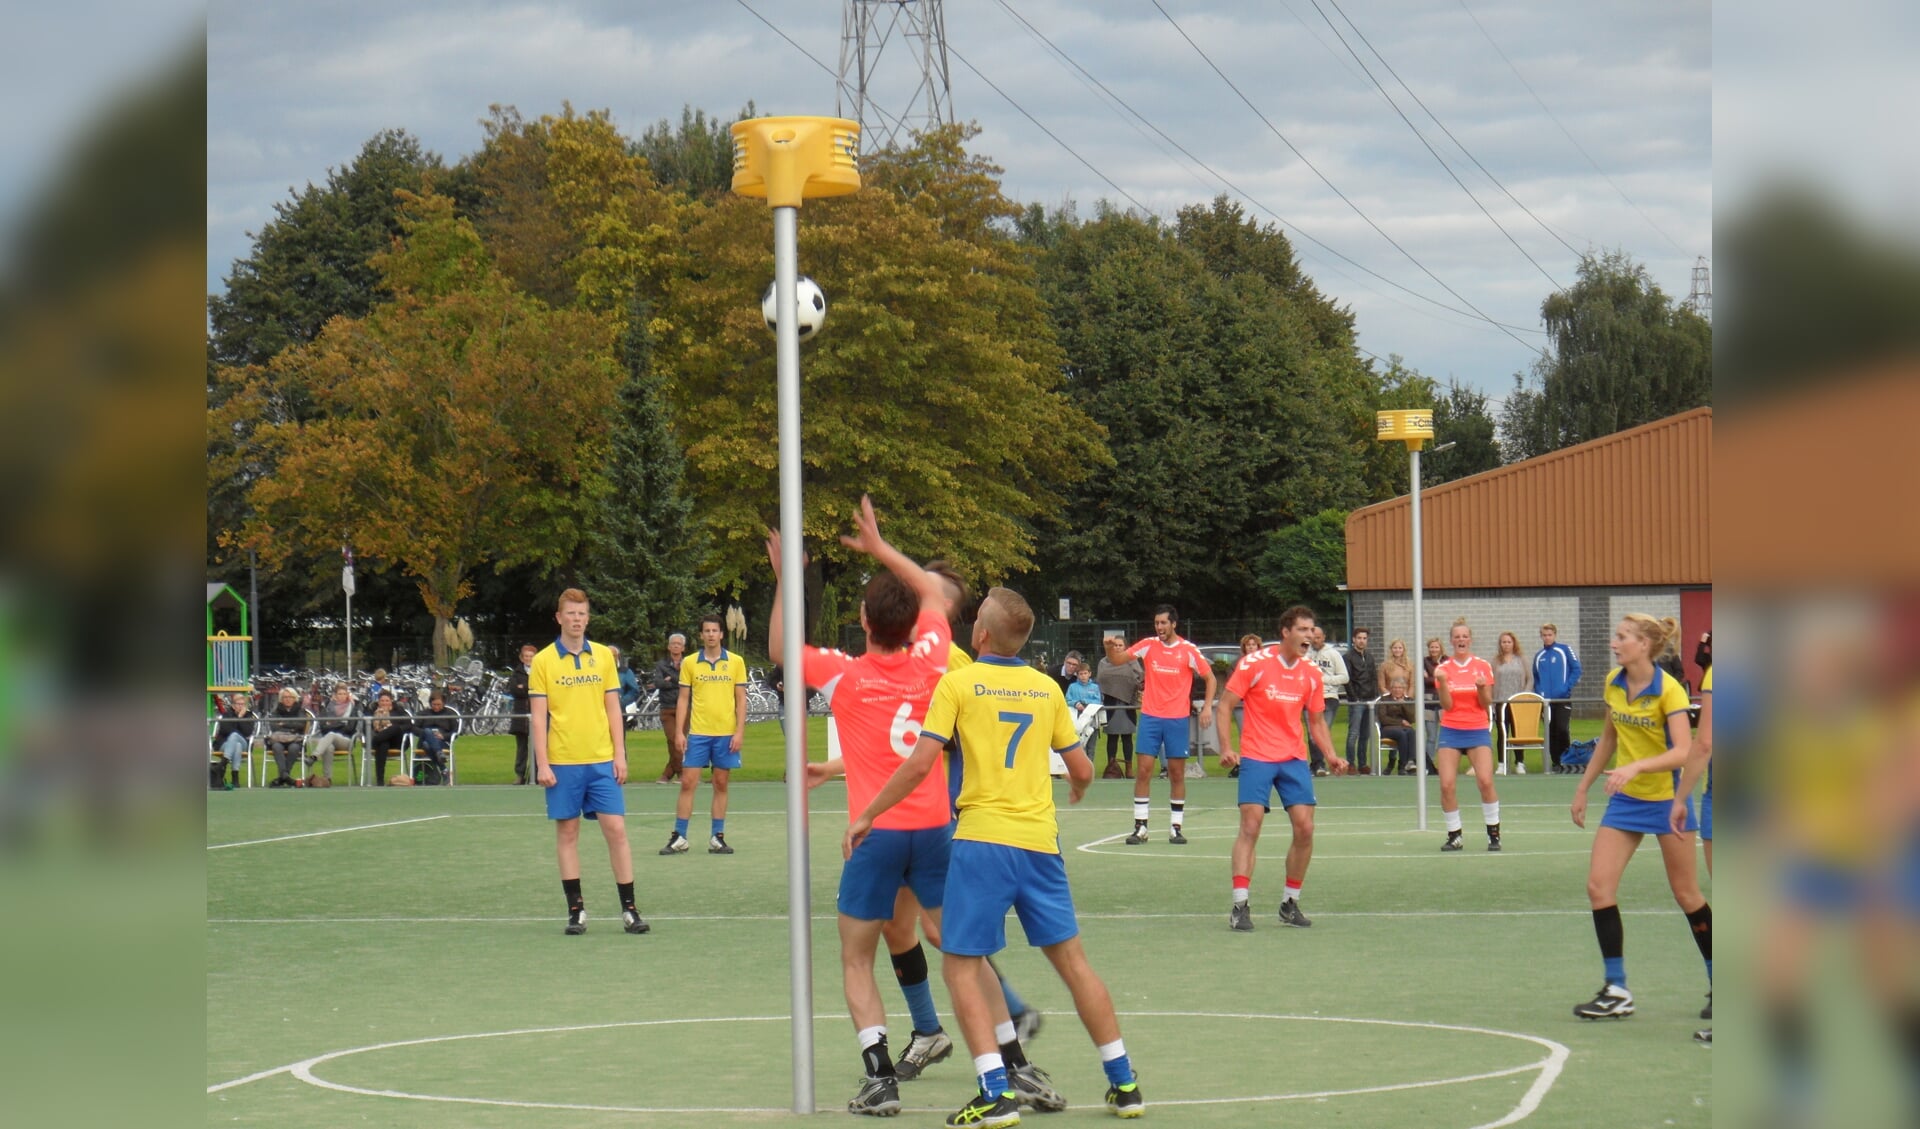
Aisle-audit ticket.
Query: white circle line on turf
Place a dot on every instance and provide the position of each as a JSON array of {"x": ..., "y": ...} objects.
[
  {"x": 332, "y": 831},
  {"x": 1549, "y": 1067}
]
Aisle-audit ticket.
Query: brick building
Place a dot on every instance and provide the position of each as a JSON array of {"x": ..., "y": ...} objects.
[{"x": 1576, "y": 538}]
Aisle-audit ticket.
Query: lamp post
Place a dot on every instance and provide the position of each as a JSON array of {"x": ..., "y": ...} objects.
[
  {"x": 1413, "y": 427},
  {"x": 787, "y": 160}
]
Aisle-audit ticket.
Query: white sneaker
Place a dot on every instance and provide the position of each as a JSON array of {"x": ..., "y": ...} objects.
[
  {"x": 1500, "y": 770},
  {"x": 1520, "y": 769},
  {"x": 1611, "y": 1002}
]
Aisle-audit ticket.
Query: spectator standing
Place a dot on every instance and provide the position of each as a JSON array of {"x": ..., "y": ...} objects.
[
  {"x": 436, "y": 726},
  {"x": 1333, "y": 676},
  {"x": 376, "y": 685},
  {"x": 1703, "y": 658},
  {"x": 522, "y": 706},
  {"x": 1395, "y": 662},
  {"x": 1069, "y": 670},
  {"x": 630, "y": 689},
  {"x": 666, "y": 682},
  {"x": 1511, "y": 675},
  {"x": 1363, "y": 679},
  {"x": 387, "y": 726},
  {"x": 286, "y": 734},
  {"x": 1675, "y": 668},
  {"x": 1083, "y": 694},
  {"x": 233, "y": 737},
  {"x": 1121, "y": 679},
  {"x": 334, "y": 732},
  {"x": 1556, "y": 671}
]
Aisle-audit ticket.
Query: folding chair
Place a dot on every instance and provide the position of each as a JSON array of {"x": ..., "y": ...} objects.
[
  {"x": 216, "y": 755},
  {"x": 416, "y": 747},
  {"x": 1526, "y": 717}
]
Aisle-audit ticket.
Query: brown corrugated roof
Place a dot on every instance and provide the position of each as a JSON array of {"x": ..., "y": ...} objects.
[{"x": 1627, "y": 508}]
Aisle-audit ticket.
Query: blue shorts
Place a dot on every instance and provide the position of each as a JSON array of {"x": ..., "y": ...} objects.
[
  {"x": 1706, "y": 817},
  {"x": 584, "y": 789},
  {"x": 1162, "y": 736},
  {"x": 889, "y": 859},
  {"x": 1648, "y": 817},
  {"x": 703, "y": 751},
  {"x": 1826, "y": 887},
  {"x": 1465, "y": 738},
  {"x": 985, "y": 880},
  {"x": 1292, "y": 779}
]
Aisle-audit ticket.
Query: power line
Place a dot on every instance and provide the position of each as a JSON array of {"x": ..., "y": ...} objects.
[
  {"x": 1237, "y": 190},
  {"x": 1443, "y": 126},
  {"x": 1330, "y": 184},
  {"x": 1563, "y": 129},
  {"x": 897, "y": 123}
]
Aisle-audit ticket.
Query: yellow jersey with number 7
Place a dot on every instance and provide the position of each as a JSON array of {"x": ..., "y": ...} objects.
[{"x": 1010, "y": 718}]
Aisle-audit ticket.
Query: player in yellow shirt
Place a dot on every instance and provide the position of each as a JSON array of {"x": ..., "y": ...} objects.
[
  {"x": 1006, "y": 854},
  {"x": 580, "y": 753},
  {"x": 713, "y": 719},
  {"x": 1644, "y": 743}
]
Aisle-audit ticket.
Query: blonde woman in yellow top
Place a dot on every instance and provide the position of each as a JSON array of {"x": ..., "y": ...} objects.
[{"x": 1644, "y": 742}]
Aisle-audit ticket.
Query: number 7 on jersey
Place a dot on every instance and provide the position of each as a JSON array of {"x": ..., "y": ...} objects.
[{"x": 1021, "y": 723}]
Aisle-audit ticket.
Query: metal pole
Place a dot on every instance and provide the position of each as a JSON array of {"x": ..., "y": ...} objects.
[
  {"x": 349, "y": 638},
  {"x": 253, "y": 604},
  {"x": 786, "y": 226},
  {"x": 1419, "y": 635}
]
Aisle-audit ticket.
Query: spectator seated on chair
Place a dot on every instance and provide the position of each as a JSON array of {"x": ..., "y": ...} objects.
[
  {"x": 286, "y": 735},
  {"x": 387, "y": 727},
  {"x": 435, "y": 727},
  {"x": 233, "y": 737},
  {"x": 1394, "y": 714},
  {"x": 335, "y": 729}
]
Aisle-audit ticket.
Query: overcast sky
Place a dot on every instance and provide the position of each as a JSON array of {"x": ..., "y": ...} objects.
[{"x": 296, "y": 89}]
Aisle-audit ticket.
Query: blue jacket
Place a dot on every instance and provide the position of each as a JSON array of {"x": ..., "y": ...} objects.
[{"x": 1556, "y": 671}]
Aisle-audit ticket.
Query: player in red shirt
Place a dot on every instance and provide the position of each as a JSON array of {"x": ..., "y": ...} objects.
[
  {"x": 1170, "y": 663},
  {"x": 1278, "y": 685},
  {"x": 1464, "y": 684}
]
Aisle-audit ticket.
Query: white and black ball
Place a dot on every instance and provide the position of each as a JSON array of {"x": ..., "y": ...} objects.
[{"x": 809, "y": 300}]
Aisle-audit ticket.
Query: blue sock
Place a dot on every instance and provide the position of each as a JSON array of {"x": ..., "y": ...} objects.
[
  {"x": 1616, "y": 970},
  {"x": 719, "y": 827},
  {"x": 1015, "y": 1005},
  {"x": 994, "y": 1082},
  {"x": 1119, "y": 1070},
  {"x": 926, "y": 1018},
  {"x": 680, "y": 828},
  {"x": 1709, "y": 972}
]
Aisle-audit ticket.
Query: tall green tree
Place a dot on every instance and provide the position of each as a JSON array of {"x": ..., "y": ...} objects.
[
  {"x": 644, "y": 548},
  {"x": 1306, "y": 563},
  {"x": 1622, "y": 353},
  {"x": 461, "y": 424},
  {"x": 1226, "y": 409},
  {"x": 696, "y": 158}
]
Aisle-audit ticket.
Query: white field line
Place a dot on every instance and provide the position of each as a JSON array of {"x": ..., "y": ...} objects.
[{"x": 317, "y": 834}]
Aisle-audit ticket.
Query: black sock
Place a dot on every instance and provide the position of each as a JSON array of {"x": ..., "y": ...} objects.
[
  {"x": 1014, "y": 1056},
  {"x": 1700, "y": 922},
  {"x": 626, "y": 894},
  {"x": 876, "y": 1060},
  {"x": 575, "y": 903},
  {"x": 1612, "y": 934}
]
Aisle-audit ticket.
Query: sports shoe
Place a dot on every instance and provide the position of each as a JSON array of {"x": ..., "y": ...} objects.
[
  {"x": 717, "y": 845},
  {"x": 1032, "y": 1086},
  {"x": 1493, "y": 837},
  {"x": 1177, "y": 838},
  {"x": 1240, "y": 918},
  {"x": 1321, "y": 771},
  {"x": 634, "y": 922},
  {"x": 676, "y": 845},
  {"x": 1290, "y": 914},
  {"x": 923, "y": 1050},
  {"x": 1610, "y": 1002},
  {"x": 1027, "y": 1024},
  {"x": 878, "y": 1097},
  {"x": 576, "y": 922},
  {"x": 1705, "y": 1036},
  {"x": 1453, "y": 842},
  {"x": 1500, "y": 770},
  {"x": 984, "y": 1112},
  {"x": 1520, "y": 768},
  {"x": 1707, "y": 1012},
  {"x": 1139, "y": 835},
  {"x": 1126, "y": 1101}
]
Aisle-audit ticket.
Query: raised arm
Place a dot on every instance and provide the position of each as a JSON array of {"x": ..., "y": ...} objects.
[{"x": 866, "y": 539}]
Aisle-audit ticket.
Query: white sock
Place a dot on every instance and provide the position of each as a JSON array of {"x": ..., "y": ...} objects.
[
  {"x": 868, "y": 1036},
  {"x": 1003, "y": 1033},
  {"x": 1113, "y": 1050},
  {"x": 1490, "y": 813},
  {"x": 1453, "y": 820},
  {"x": 987, "y": 1062},
  {"x": 1179, "y": 812},
  {"x": 1292, "y": 894},
  {"x": 1140, "y": 810},
  {"x": 1240, "y": 895}
]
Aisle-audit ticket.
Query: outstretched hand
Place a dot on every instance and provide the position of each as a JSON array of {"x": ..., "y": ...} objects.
[
  {"x": 773, "y": 552},
  {"x": 866, "y": 536}
]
